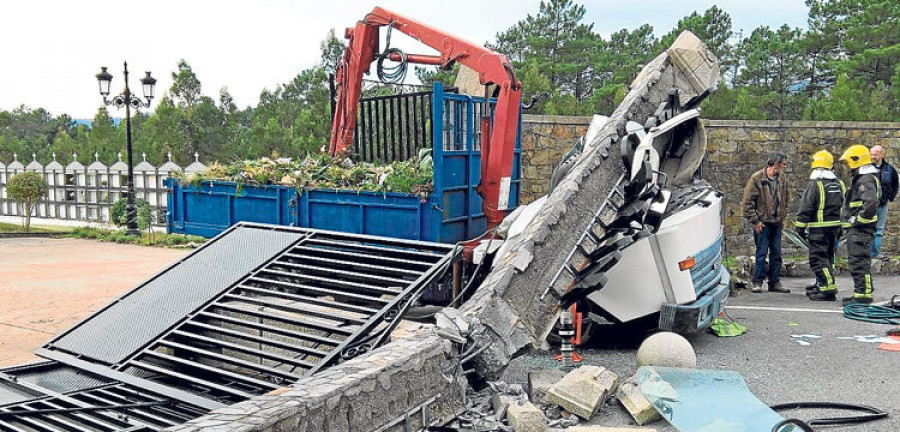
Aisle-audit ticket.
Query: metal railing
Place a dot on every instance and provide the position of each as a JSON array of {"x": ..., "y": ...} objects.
[{"x": 393, "y": 128}]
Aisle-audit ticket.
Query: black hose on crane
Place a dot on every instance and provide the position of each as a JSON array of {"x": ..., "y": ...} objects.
[{"x": 392, "y": 74}]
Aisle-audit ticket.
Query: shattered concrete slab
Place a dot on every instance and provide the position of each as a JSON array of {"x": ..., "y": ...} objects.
[
  {"x": 584, "y": 390},
  {"x": 609, "y": 429},
  {"x": 524, "y": 416},
  {"x": 540, "y": 381},
  {"x": 640, "y": 409},
  {"x": 509, "y": 303}
]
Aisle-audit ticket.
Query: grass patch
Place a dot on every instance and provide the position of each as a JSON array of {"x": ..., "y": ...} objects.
[
  {"x": 145, "y": 239},
  {"x": 18, "y": 228}
]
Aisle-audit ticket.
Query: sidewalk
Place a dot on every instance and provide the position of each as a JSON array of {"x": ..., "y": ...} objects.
[{"x": 47, "y": 285}]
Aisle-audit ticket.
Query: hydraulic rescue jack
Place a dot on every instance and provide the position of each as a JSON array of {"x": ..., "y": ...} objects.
[{"x": 570, "y": 323}]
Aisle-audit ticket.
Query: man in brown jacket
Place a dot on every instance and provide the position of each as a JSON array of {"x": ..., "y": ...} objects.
[{"x": 765, "y": 204}]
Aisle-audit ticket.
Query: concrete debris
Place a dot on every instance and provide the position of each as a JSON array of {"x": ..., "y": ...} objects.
[
  {"x": 539, "y": 381},
  {"x": 500, "y": 402},
  {"x": 564, "y": 422},
  {"x": 525, "y": 417},
  {"x": 583, "y": 391},
  {"x": 630, "y": 396},
  {"x": 609, "y": 429},
  {"x": 514, "y": 307},
  {"x": 453, "y": 326}
]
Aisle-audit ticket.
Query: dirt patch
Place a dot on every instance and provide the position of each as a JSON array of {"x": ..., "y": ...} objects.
[{"x": 47, "y": 285}]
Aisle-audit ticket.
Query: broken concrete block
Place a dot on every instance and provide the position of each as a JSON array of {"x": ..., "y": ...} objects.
[
  {"x": 525, "y": 417},
  {"x": 641, "y": 410},
  {"x": 500, "y": 403},
  {"x": 609, "y": 429},
  {"x": 696, "y": 61},
  {"x": 539, "y": 381},
  {"x": 584, "y": 390}
]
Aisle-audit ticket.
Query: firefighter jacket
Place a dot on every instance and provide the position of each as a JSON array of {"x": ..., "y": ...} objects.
[
  {"x": 765, "y": 200},
  {"x": 861, "y": 204},
  {"x": 820, "y": 204}
]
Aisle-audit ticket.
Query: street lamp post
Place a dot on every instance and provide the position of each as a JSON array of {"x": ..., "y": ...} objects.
[{"x": 127, "y": 100}]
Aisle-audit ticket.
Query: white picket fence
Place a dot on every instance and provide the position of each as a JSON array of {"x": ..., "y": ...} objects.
[{"x": 86, "y": 193}]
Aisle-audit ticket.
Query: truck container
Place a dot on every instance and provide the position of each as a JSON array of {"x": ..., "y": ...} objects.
[{"x": 391, "y": 128}]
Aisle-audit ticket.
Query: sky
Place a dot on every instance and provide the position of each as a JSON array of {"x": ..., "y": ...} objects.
[{"x": 52, "y": 50}]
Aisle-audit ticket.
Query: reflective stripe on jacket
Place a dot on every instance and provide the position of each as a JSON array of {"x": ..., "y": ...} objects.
[
  {"x": 820, "y": 204},
  {"x": 861, "y": 203}
]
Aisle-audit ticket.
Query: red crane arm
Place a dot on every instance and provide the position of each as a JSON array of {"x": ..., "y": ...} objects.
[{"x": 498, "y": 139}]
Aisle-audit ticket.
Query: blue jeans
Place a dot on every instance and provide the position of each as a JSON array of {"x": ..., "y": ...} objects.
[
  {"x": 768, "y": 244},
  {"x": 879, "y": 229}
]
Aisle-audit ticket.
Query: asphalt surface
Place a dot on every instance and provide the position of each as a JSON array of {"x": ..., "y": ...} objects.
[{"x": 776, "y": 368}]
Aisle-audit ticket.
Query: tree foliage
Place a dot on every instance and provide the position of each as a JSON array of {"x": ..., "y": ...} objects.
[
  {"x": 27, "y": 189},
  {"x": 845, "y": 66}
]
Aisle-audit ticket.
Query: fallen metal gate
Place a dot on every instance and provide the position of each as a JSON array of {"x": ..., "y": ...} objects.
[
  {"x": 50, "y": 396},
  {"x": 306, "y": 300}
]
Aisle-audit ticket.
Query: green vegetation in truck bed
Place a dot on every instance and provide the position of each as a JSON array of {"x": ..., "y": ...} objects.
[{"x": 412, "y": 176}]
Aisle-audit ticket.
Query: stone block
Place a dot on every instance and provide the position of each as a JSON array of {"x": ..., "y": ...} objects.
[
  {"x": 525, "y": 417},
  {"x": 539, "y": 381},
  {"x": 500, "y": 402},
  {"x": 584, "y": 390},
  {"x": 635, "y": 403}
]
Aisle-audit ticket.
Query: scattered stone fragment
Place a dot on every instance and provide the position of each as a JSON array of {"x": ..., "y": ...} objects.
[
  {"x": 539, "y": 381},
  {"x": 500, "y": 403},
  {"x": 666, "y": 349},
  {"x": 564, "y": 422},
  {"x": 525, "y": 417},
  {"x": 635, "y": 403},
  {"x": 609, "y": 429},
  {"x": 584, "y": 390}
]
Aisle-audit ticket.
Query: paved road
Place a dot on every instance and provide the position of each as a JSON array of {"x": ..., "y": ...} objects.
[
  {"x": 47, "y": 285},
  {"x": 777, "y": 369}
]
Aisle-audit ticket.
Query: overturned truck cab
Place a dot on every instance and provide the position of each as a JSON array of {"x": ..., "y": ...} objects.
[{"x": 665, "y": 258}]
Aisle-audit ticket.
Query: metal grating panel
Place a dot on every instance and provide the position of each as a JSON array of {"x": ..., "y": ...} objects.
[
  {"x": 59, "y": 378},
  {"x": 328, "y": 297},
  {"x": 12, "y": 393},
  {"x": 140, "y": 316},
  {"x": 88, "y": 403}
]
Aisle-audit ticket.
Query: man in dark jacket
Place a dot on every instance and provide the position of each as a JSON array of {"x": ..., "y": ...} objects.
[
  {"x": 819, "y": 221},
  {"x": 858, "y": 217},
  {"x": 889, "y": 185},
  {"x": 765, "y": 203}
]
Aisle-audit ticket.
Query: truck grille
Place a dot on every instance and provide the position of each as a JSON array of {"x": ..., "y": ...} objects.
[{"x": 707, "y": 270}]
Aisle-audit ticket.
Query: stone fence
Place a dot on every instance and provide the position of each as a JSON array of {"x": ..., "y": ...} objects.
[
  {"x": 736, "y": 149},
  {"x": 87, "y": 193}
]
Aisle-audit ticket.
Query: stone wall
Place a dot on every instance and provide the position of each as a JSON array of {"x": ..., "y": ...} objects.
[
  {"x": 736, "y": 149},
  {"x": 545, "y": 139},
  {"x": 378, "y": 391}
]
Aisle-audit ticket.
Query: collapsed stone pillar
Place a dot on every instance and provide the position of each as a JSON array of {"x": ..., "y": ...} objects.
[{"x": 508, "y": 304}]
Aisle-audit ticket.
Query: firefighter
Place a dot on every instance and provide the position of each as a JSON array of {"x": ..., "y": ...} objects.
[
  {"x": 858, "y": 217},
  {"x": 819, "y": 221}
]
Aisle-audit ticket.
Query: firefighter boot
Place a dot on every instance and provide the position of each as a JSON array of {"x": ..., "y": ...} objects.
[
  {"x": 855, "y": 299},
  {"x": 825, "y": 293}
]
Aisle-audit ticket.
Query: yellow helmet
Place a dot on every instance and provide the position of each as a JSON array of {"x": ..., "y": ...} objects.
[
  {"x": 822, "y": 159},
  {"x": 857, "y": 156}
]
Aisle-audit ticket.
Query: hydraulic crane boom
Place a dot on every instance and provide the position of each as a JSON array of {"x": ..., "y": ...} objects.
[{"x": 498, "y": 137}]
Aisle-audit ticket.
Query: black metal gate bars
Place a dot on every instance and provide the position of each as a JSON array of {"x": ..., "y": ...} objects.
[{"x": 321, "y": 297}]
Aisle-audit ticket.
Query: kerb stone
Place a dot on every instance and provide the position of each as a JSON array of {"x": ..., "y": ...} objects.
[
  {"x": 525, "y": 417},
  {"x": 635, "y": 403},
  {"x": 540, "y": 381},
  {"x": 584, "y": 390}
]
